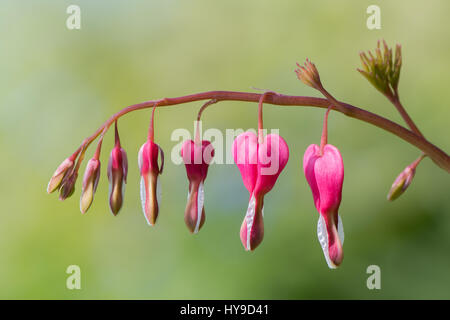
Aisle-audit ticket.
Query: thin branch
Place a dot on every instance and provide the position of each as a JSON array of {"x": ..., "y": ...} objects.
[
  {"x": 437, "y": 155},
  {"x": 409, "y": 121}
]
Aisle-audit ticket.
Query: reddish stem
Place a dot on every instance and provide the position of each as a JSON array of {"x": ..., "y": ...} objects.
[
  {"x": 116, "y": 135},
  {"x": 324, "y": 138},
  {"x": 199, "y": 115},
  {"x": 260, "y": 116},
  {"x": 151, "y": 131},
  {"x": 436, "y": 154},
  {"x": 395, "y": 100}
]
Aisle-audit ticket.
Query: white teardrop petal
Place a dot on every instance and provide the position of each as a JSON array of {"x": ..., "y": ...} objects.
[
  {"x": 140, "y": 157},
  {"x": 158, "y": 192},
  {"x": 249, "y": 218},
  {"x": 322, "y": 235},
  {"x": 200, "y": 203},
  {"x": 143, "y": 198},
  {"x": 340, "y": 230}
]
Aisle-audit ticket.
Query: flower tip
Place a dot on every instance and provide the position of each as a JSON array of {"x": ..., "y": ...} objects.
[
  {"x": 151, "y": 222},
  {"x": 336, "y": 255},
  {"x": 252, "y": 228},
  {"x": 86, "y": 200},
  {"x": 52, "y": 186},
  {"x": 114, "y": 207}
]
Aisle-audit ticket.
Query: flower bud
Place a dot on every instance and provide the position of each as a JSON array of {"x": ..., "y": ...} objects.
[
  {"x": 196, "y": 158},
  {"x": 401, "y": 183},
  {"x": 64, "y": 168},
  {"x": 68, "y": 185},
  {"x": 150, "y": 184},
  {"x": 90, "y": 182},
  {"x": 117, "y": 177},
  {"x": 325, "y": 175},
  {"x": 260, "y": 165}
]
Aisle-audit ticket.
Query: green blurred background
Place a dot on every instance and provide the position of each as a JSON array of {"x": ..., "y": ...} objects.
[{"x": 58, "y": 85}]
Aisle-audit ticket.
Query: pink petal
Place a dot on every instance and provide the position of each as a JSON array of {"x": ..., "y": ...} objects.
[{"x": 245, "y": 154}]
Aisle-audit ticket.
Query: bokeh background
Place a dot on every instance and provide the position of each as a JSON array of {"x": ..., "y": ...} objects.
[{"x": 58, "y": 85}]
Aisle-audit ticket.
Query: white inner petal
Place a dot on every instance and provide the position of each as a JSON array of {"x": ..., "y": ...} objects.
[
  {"x": 140, "y": 157},
  {"x": 249, "y": 218},
  {"x": 143, "y": 198},
  {"x": 322, "y": 235},
  {"x": 109, "y": 195},
  {"x": 200, "y": 203},
  {"x": 158, "y": 192},
  {"x": 340, "y": 230}
]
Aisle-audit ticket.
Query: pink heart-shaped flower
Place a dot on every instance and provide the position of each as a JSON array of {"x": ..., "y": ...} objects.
[
  {"x": 325, "y": 176},
  {"x": 260, "y": 165}
]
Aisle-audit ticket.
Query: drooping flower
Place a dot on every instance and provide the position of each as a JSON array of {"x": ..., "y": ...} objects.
[
  {"x": 90, "y": 182},
  {"x": 150, "y": 171},
  {"x": 324, "y": 170},
  {"x": 117, "y": 175},
  {"x": 260, "y": 165},
  {"x": 196, "y": 157},
  {"x": 150, "y": 183}
]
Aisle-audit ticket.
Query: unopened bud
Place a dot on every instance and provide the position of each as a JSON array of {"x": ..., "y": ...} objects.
[
  {"x": 150, "y": 184},
  {"x": 55, "y": 181},
  {"x": 309, "y": 74},
  {"x": 68, "y": 186},
  {"x": 117, "y": 176},
  {"x": 401, "y": 183},
  {"x": 90, "y": 182}
]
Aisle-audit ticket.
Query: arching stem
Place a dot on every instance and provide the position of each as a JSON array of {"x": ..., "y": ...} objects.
[
  {"x": 437, "y": 155},
  {"x": 260, "y": 116},
  {"x": 199, "y": 115}
]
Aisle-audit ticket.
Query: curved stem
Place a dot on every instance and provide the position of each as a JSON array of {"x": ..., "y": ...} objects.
[
  {"x": 199, "y": 115},
  {"x": 204, "y": 106},
  {"x": 260, "y": 116},
  {"x": 324, "y": 138},
  {"x": 436, "y": 154}
]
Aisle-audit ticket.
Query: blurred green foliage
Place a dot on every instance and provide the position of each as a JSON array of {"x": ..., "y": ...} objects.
[{"x": 58, "y": 85}]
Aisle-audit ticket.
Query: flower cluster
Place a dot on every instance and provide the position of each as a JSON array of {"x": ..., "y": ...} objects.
[
  {"x": 260, "y": 158},
  {"x": 382, "y": 68}
]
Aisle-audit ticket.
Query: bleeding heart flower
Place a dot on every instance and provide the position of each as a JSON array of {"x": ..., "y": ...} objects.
[
  {"x": 150, "y": 184},
  {"x": 196, "y": 158},
  {"x": 117, "y": 175},
  {"x": 90, "y": 182},
  {"x": 260, "y": 165},
  {"x": 325, "y": 175}
]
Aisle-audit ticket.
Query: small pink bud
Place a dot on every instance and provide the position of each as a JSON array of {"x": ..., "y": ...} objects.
[
  {"x": 150, "y": 184},
  {"x": 401, "y": 183},
  {"x": 117, "y": 177},
  {"x": 90, "y": 182},
  {"x": 325, "y": 176},
  {"x": 260, "y": 165},
  {"x": 64, "y": 168},
  {"x": 196, "y": 158}
]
